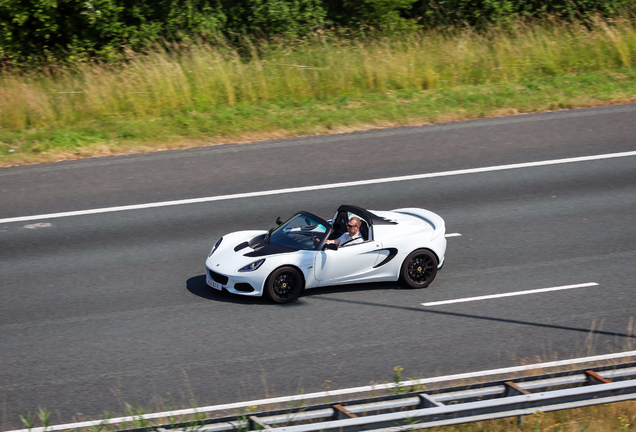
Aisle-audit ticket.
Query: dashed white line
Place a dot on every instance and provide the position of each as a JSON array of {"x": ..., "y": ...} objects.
[
  {"x": 511, "y": 294},
  {"x": 453, "y": 235},
  {"x": 318, "y": 187}
]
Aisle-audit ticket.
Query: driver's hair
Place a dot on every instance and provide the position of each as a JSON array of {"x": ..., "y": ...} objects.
[{"x": 356, "y": 220}]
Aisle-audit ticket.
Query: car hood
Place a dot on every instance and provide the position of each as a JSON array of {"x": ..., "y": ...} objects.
[{"x": 241, "y": 248}]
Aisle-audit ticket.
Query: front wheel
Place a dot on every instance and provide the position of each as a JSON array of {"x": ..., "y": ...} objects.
[
  {"x": 284, "y": 285},
  {"x": 419, "y": 269}
]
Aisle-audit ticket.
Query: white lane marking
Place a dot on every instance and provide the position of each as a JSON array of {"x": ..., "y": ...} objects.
[
  {"x": 318, "y": 187},
  {"x": 326, "y": 394},
  {"x": 37, "y": 225},
  {"x": 453, "y": 235},
  {"x": 511, "y": 294}
]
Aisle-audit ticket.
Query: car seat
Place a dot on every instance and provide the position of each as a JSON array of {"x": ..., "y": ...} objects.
[
  {"x": 340, "y": 223},
  {"x": 364, "y": 229}
]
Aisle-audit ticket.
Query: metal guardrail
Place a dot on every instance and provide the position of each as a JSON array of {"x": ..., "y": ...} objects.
[
  {"x": 447, "y": 406},
  {"x": 442, "y": 415},
  {"x": 198, "y": 415}
]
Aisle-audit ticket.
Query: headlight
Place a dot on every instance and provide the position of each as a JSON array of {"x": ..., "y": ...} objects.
[
  {"x": 253, "y": 266},
  {"x": 215, "y": 247}
]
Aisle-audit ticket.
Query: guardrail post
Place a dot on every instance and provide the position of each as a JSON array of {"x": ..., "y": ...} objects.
[
  {"x": 427, "y": 402},
  {"x": 340, "y": 412},
  {"x": 255, "y": 421},
  {"x": 513, "y": 389},
  {"x": 594, "y": 378}
]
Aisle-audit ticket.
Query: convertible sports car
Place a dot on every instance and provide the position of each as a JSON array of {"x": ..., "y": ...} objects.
[{"x": 407, "y": 244}]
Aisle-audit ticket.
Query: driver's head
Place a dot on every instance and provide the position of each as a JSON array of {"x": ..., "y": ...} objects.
[{"x": 353, "y": 226}]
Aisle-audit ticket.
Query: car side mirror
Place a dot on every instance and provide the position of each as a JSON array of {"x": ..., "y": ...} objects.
[
  {"x": 278, "y": 221},
  {"x": 331, "y": 246}
]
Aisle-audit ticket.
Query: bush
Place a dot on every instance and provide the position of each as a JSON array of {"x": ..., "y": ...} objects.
[
  {"x": 33, "y": 31},
  {"x": 58, "y": 29},
  {"x": 477, "y": 13},
  {"x": 69, "y": 29}
]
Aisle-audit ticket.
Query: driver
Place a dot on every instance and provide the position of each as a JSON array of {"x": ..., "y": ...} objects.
[{"x": 352, "y": 236}]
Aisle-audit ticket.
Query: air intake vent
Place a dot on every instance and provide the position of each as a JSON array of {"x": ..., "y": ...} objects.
[{"x": 244, "y": 287}]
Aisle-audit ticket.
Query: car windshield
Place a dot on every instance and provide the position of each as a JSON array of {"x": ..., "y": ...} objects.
[{"x": 300, "y": 232}]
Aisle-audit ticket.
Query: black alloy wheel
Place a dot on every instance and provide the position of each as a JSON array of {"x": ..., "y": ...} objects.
[
  {"x": 284, "y": 285},
  {"x": 419, "y": 269}
]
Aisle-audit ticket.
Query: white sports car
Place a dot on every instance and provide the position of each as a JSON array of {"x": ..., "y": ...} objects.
[{"x": 407, "y": 244}]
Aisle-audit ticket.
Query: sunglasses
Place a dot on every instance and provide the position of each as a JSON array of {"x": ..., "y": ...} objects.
[{"x": 351, "y": 226}]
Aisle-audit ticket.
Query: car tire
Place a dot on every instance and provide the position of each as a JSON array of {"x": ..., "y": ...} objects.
[
  {"x": 284, "y": 285},
  {"x": 419, "y": 269}
]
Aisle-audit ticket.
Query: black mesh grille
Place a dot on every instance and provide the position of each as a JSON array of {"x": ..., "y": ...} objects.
[{"x": 218, "y": 277}]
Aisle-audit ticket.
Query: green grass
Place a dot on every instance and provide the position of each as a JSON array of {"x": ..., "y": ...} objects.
[{"x": 205, "y": 94}]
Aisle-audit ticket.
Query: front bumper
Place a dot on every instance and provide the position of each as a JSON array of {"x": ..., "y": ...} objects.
[{"x": 248, "y": 284}]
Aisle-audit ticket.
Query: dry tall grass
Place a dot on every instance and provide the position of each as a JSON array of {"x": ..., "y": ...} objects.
[
  {"x": 617, "y": 417},
  {"x": 204, "y": 77}
]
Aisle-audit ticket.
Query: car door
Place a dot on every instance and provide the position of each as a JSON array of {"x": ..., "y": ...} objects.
[{"x": 347, "y": 264}]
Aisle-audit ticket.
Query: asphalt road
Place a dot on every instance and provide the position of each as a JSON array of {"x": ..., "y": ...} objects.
[{"x": 97, "y": 311}]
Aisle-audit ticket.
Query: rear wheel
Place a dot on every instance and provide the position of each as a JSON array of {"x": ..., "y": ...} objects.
[
  {"x": 284, "y": 285},
  {"x": 419, "y": 269}
]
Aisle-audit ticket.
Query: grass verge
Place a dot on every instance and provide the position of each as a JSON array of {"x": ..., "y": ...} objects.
[
  {"x": 261, "y": 121},
  {"x": 209, "y": 94},
  {"x": 618, "y": 417}
]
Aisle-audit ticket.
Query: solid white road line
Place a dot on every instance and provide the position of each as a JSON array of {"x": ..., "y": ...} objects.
[
  {"x": 510, "y": 294},
  {"x": 317, "y": 187},
  {"x": 326, "y": 394}
]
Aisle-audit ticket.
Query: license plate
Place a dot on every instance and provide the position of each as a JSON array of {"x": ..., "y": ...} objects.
[{"x": 214, "y": 285}]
